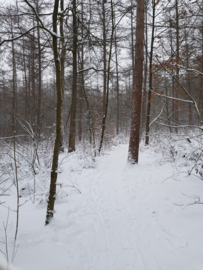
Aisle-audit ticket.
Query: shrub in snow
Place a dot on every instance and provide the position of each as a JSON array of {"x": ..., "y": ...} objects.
[{"x": 184, "y": 149}]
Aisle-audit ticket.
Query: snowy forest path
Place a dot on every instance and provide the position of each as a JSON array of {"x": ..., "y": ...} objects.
[
  {"x": 114, "y": 216},
  {"x": 122, "y": 195}
]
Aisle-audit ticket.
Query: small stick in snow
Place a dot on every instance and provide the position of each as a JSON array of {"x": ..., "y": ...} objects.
[{"x": 194, "y": 197}]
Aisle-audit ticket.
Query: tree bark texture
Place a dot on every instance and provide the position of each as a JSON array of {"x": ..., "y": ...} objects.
[{"x": 137, "y": 86}]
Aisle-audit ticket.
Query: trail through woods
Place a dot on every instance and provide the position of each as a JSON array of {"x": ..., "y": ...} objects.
[{"x": 126, "y": 217}]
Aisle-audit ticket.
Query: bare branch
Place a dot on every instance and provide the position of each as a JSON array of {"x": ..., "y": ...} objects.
[{"x": 158, "y": 115}]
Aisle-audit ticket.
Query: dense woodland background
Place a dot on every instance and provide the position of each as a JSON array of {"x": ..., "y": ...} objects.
[
  {"x": 67, "y": 80},
  {"x": 173, "y": 63}
]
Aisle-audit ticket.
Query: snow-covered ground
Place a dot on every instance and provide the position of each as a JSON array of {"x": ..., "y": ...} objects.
[{"x": 115, "y": 216}]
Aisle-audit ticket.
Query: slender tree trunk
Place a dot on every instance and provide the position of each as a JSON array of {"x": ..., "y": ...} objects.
[
  {"x": 14, "y": 111},
  {"x": 167, "y": 107},
  {"x": 72, "y": 134},
  {"x": 132, "y": 39},
  {"x": 25, "y": 79},
  {"x": 80, "y": 103},
  {"x": 29, "y": 87},
  {"x": 201, "y": 92},
  {"x": 81, "y": 87},
  {"x": 144, "y": 99},
  {"x": 177, "y": 59},
  {"x": 14, "y": 105},
  {"x": 117, "y": 86},
  {"x": 62, "y": 61},
  {"x": 5, "y": 130},
  {"x": 39, "y": 98},
  {"x": 137, "y": 87},
  {"x": 33, "y": 81},
  {"x": 108, "y": 79},
  {"x": 172, "y": 82},
  {"x": 104, "y": 55},
  {"x": 188, "y": 79},
  {"x": 52, "y": 191},
  {"x": 150, "y": 75},
  {"x": 39, "y": 119}
]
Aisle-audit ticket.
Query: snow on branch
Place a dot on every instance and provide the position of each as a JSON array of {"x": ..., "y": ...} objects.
[
  {"x": 87, "y": 69},
  {"x": 184, "y": 89},
  {"x": 181, "y": 126},
  {"x": 158, "y": 115},
  {"x": 179, "y": 99}
]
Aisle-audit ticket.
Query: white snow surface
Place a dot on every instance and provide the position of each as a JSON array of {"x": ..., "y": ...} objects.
[{"x": 127, "y": 217}]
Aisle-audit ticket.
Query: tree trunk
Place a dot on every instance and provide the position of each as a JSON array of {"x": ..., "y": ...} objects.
[
  {"x": 26, "y": 85},
  {"x": 132, "y": 39},
  {"x": 104, "y": 55},
  {"x": 201, "y": 94},
  {"x": 137, "y": 86},
  {"x": 167, "y": 106},
  {"x": 14, "y": 79},
  {"x": 117, "y": 86},
  {"x": 39, "y": 119},
  {"x": 62, "y": 60},
  {"x": 188, "y": 79},
  {"x": 72, "y": 134},
  {"x": 33, "y": 112},
  {"x": 177, "y": 59},
  {"x": 81, "y": 87},
  {"x": 52, "y": 191},
  {"x": 108, "y": 78},
  {"x": 144, "y": 99},
  {"x": 150, "y": 76}
]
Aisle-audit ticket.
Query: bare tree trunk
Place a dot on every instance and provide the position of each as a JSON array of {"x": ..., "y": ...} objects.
[
  {"x": 117, "y": 86},
  {"x": 62, "y": 60},
  {"x": 132, "y": 38},
  {"x": 167, "y": 107},
  {"x": 72, "y": 134},
  {"x": 188, "y": 78},
  {"x": 26, "y": 86},
  {"x": 201, "y": 94},
  {"x": 29, "y": 87},
  {"x": 172, "y": 71},
  {"x": 39, "y": 119},
  {"x": 150, "y": 75},
  {"x": 14, "y": 79},
  {"x": 177, "y": 59},
  {"x": 81, "y": 87},
  {"x": 137, "y": 86},
  {"x": 108, "y": 78},
  {"x": 14, "y": 111},
  {"x": 104, "y": 54},
  {"x": 80, "y": 103},
  {"x": 33, "y": 81},
  {"x": 52, "y": 191},
  {"x": 144, "y": 99}
]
